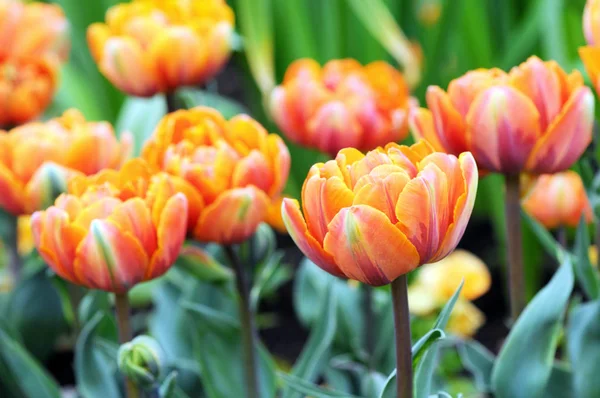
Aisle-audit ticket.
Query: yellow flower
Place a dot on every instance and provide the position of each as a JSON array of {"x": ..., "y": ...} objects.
[{"x": 465, "y": 319}]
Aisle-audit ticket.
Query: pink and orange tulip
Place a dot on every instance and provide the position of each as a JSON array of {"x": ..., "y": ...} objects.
[
  {"x": 558, "y": 200},
  {"x": 341, "y": 104},
  {"x": 151, "y": 46},
  {"x": 377, "y": 216},
  {"x": 114, "y": 230},
  {"x": 37, "y": 159},
  {"x": 536, "y": 118},
  {"x": 237, "y": 170},
  {"x": 590, "y": 54}
]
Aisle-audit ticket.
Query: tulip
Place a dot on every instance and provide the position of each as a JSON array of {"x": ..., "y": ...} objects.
[
  {"x": 27, "y": 86},
  {"x": 535, "y": 118},
  {"x": 33, "y": 30},
  {"x": 341, "y": 105},
  {"x": 141, "y": 361},
  {"x": 37, "y": 159},
  {"x": 465, "y": 319},
  {"x": 558, "y": 200},
  {"x": 236, "y": 170},
  {"x": 151, "y": 46},
  {"x": 377, "y": 216},
  {"x": 115, "y": 234}
]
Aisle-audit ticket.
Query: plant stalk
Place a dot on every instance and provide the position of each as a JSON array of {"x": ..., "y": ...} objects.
[
  {"x": 369, "y": 324},
  {"x": 404, "y": 377},
  {"x": 125, "y": 335},
  {"x": 171, "y": 102},
  {"x": 562, "y": 236},
  {"x": 12, "y": 248},
  {"x": 514, "y": 245},
  {"x": 249, "y": 339}
]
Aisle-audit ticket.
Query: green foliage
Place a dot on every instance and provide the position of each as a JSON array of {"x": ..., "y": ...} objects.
[{"x": 583, "y": 334}]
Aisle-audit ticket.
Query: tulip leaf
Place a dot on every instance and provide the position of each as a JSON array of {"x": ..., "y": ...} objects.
[
  {"x": 95, "y": 367},
  {"x": 524, "y": 364},
  {"x": 309, "y": 363},
  {"x": 419, "y": 349},
  {"x": 218, "y": 349},
  {"x": 546, "y": 239},
  {"x": 307, "y": 388},
  {"x": 93, "y": 302},
  {"x": 191, "y": 97},
  {"x": 560, "y": 383},
  {"x": 139, "y": 116},
  {"x": 268, "y": 279},
  {"x": 39, "y": 308},
  {"x": 202, "y": 265},
  {"x": 586, "y": 275},
  {"x": 479, "y": 361},
  {"x": 20, "y": 374},
  {"x": 583, "y": 335}
]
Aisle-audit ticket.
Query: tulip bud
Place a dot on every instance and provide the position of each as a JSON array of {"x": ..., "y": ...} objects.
[{"x": 140, "y": 361}]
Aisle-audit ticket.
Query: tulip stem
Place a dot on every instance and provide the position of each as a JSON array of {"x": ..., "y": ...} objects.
[
  {"x": 368, "y": 322},
  {"x": 171, "y": 102},
  {"x": 125, "y": 335},
  {"x": 12, "y": 248},
  {"x": 514, "y": 245},
  {"x": 248, "y": 327},
  {"x": 404, "y": 377},
  {"x": 562, "y": 236}
]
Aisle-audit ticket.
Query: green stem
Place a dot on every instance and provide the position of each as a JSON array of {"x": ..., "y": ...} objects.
[
  {"x": 514, "y": 245},
  {"x": 248, "y": 327},
  {"x": 369, "y": 324},
  {"x": 171, "y": 102},
  {"x": 125, "y": 335},
  {"x": 562, "y": 236},
  {"x": 12, "y": 247},
  {"x": 404, "y": 377}
]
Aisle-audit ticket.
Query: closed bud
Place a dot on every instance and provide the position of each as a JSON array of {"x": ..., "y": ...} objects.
[{"x": 140, "y": 360}]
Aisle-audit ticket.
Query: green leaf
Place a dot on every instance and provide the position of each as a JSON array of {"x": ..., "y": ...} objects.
[
  {"x": 192, "y": 97},
  {"x": 266, "y": 278},
  {"x": 584, "y": 271},
  {"x": 308, "y": 388},
  {"x": 583, "y": 335},
  {"x": 546, "y": 239},
  {"x": 20, "y": 374},
  {"x": 560, "y": 384},
  {"x": 311, "y": 360},
  {"x": 479, "y": 361},
  {"x": 38, "y": 307},
  {"x": 419, "y": 349},
  {"x": 93, "y": 302},
  {"x": 95, "y": 368},
  {"x": 140, "y": 116},
  {"x": 202, "y": 265},
  {"x": 218, "y": 349},
  {"x": 423, "y": 376},
  {"x": 524, "y": 364}
]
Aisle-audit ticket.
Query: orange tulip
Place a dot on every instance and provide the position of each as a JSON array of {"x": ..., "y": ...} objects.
[
  {"x": 341, "y": 105},
  {"x": 37, "y": 159},
  {"x": 590, "y": 54},
  {"x": 127, "y": 229},
  {"x": 27, "y": 86},
  {"x": 235, "y": 167},
  {"x": 535, "y": 118},
  {"x": 377, "y": 216},
  {"x": 558, "y": 199},
  {"x": 35, "y": 30},
  {"x": 151, "y": 46}
]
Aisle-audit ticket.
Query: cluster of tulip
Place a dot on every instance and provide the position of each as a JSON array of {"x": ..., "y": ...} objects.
[{"x": 373, "y": 213}]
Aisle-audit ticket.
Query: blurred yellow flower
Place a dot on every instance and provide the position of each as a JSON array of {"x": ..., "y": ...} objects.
[
  {"x": 465, "y": 319},
  {"x": 25, "y": 242}
]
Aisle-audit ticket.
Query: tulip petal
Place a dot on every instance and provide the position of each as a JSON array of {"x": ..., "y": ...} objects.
[
  {"x": 421, "y": 125},
  {"x": 368, "y": 247},
  {"x": 296, "y": 227},
  {"x": 134, "y": 217},
  {"x": 504, "y": 126},
  {"x": 109, "y": 258},
  {"x": 280, "y": 159},
  {"x": 233, "y": 217},
  {"x": 591, "y": 60},
  {"x": 253, "y": 170},
  {"x": 11, "y": 192},
  {"x": 449, "y": 124},
  {"x": 463, "y": 206},
  {"x": 567, "y": 137},
  {"x": 57, "y": 241},
  {"x": 382, "y": 192},
  {"x": 170, "y": 232},
  {"x": 333, "y": 127}
]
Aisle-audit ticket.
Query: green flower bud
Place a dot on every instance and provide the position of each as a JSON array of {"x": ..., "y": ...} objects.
[{"x": 140, "y": 360}]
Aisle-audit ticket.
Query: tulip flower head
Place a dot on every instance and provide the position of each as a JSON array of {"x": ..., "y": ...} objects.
[
  {"x": 435, "y": 284},
  {"x": 114, "y": 229},
  {"x": 37, "y": 159},
  {"x": 590, "y": 54},
  {"x": 558, "y": 200},
  {"x": 536, "y": 118},
  {"x": 235, "y": 168},
  {"x": 33, "y": 43},
  {"x": 342, "y": 104},
  {"x": 377, "y": 216},
  {"x": 151, "y": 46}
]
